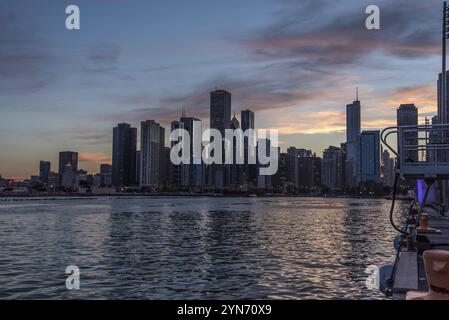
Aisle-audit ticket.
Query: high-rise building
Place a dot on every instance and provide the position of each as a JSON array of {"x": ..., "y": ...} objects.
[
  {"x": 388, "y": 169},
  {"x": 68, "y": 157},
  {"x": 191, "y": 173},
  {"x": 124, "y": 155},
  {"x": 174, "y": 177},
  {"x": 280, "y": 179},
  {"x": 352, "y": 165},
  {"x": 105, "y": 168},
  {"x": 235, "y": 169},
  {"x": 249, "y": 171},
  {"x": 370, "y": 156},
  {"x": 68, "y": 179},
  {"x": 164, "y": 168},
  {"x": 163, "y": 159},
  {"x": 138, "y": 167},
  {"x": 81, "y": 180},
  {"x": 309, "y": 169},
  {"x": 247, "y": 120},
  {"x": 332, "y": 168},
  {"x": 265, "y": 181},
  {"x": 293, "y": 155},
  {"x": 53, "y": 181},
  {"x": 220, "y": 110},
  {"x": 149, "y": 154},
  {"x": 434, "y": 138},
  {"x": 220, "y": 119},
  {"x": 407, "y": 115},
  {"x": 105, "y": 175},
  {"x": 292, "y": 167},
  {"x": 343, "y": 147},
  {"x": 44, "y": 171}
]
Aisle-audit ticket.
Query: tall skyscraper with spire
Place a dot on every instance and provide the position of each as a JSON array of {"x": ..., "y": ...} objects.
[{"x": 353, "y": 124}]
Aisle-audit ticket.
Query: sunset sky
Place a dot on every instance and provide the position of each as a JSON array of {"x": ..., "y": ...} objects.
[{"x": 295, "y": 63}]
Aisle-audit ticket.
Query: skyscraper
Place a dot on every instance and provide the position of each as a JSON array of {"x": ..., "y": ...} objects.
[
  {"x": 234, "y": 169},
  {"x": 280, "y": 178},
  {"x": 149, "y": 154},
  {"x": 331, "y": 171},
  {"x": 370, "y": 156},
  {"x": 220, "y": 110},
  {"x": 191, "y": 173},
  {"x": 124, "y": 155},
  {"x": 138, "y": 167},
  {"x": 68, "y": 157},
  {"x": 164, "y": 158},
  {"x": 352, "y": 166},
  {"x": 68, "y": 177},
  {"x": 343, "y": 148},
  {"x": 220, "y": 119},
  {"x": 407, "y": 115},
  {"x": 44, "y": 171},
  {"x": 247, "y": 120},
  {"x": 105, "y": 174},
  {"x": 249, "y": 171},
  {"x": 164, "y": 168},
  {"x": 309, "y": 173},
  {"x": 293, "y": 156},
  {"x": 174, "y": 170},
  {"x": 265, "y": 181},
  {"x": 388, "y": 169}
]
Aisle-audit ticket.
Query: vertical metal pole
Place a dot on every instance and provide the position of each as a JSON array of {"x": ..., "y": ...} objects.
[
  {"x": 443, "y": 104},
  {"x": 443, "y": 72}
]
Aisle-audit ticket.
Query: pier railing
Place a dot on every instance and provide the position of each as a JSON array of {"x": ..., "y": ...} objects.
[{"x": 422, "y": 151}]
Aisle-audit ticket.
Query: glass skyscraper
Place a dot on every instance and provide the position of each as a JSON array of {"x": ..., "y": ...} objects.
[{"x": 124, "y": 155}]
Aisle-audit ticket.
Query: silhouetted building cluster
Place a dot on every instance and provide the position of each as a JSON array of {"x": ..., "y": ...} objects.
[
  {"x": 358, "y": 162},
  {"x": 151, "y": 165}
]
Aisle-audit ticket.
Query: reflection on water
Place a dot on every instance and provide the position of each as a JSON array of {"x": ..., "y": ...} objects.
[{"x": 193, "y": 248}]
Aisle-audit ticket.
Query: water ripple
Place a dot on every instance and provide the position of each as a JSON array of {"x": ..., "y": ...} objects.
[{"x": 193, "y": 248}]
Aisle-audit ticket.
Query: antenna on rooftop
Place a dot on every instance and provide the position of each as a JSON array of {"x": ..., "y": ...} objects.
[{"x": 183, "y": 112}]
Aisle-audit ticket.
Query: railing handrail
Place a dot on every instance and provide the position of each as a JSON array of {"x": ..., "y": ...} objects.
[
  {"x": 421, "y": 149},
  {"x": 384, "y": 135}
]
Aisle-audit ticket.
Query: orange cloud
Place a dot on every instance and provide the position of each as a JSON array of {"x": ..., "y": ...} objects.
[
  {"x": 94, "y": 157},
  {"x": 311, "y": 122},
  {"x": 424, "y": 97}
]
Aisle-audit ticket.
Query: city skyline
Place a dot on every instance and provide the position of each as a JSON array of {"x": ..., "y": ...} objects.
[
  {"x": 352, "y": 135},
  {"x": 299, "y": 169},
  {"x": 79, "y": 87}
]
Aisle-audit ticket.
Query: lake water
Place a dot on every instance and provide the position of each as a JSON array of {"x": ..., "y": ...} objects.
[{"x": 193, "y": 247}]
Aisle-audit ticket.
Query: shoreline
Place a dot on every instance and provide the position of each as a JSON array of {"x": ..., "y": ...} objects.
[{"x": 172, "y": 195}]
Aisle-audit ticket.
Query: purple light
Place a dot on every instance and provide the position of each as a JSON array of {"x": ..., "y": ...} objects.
[{"x": 421, "y": 187}]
